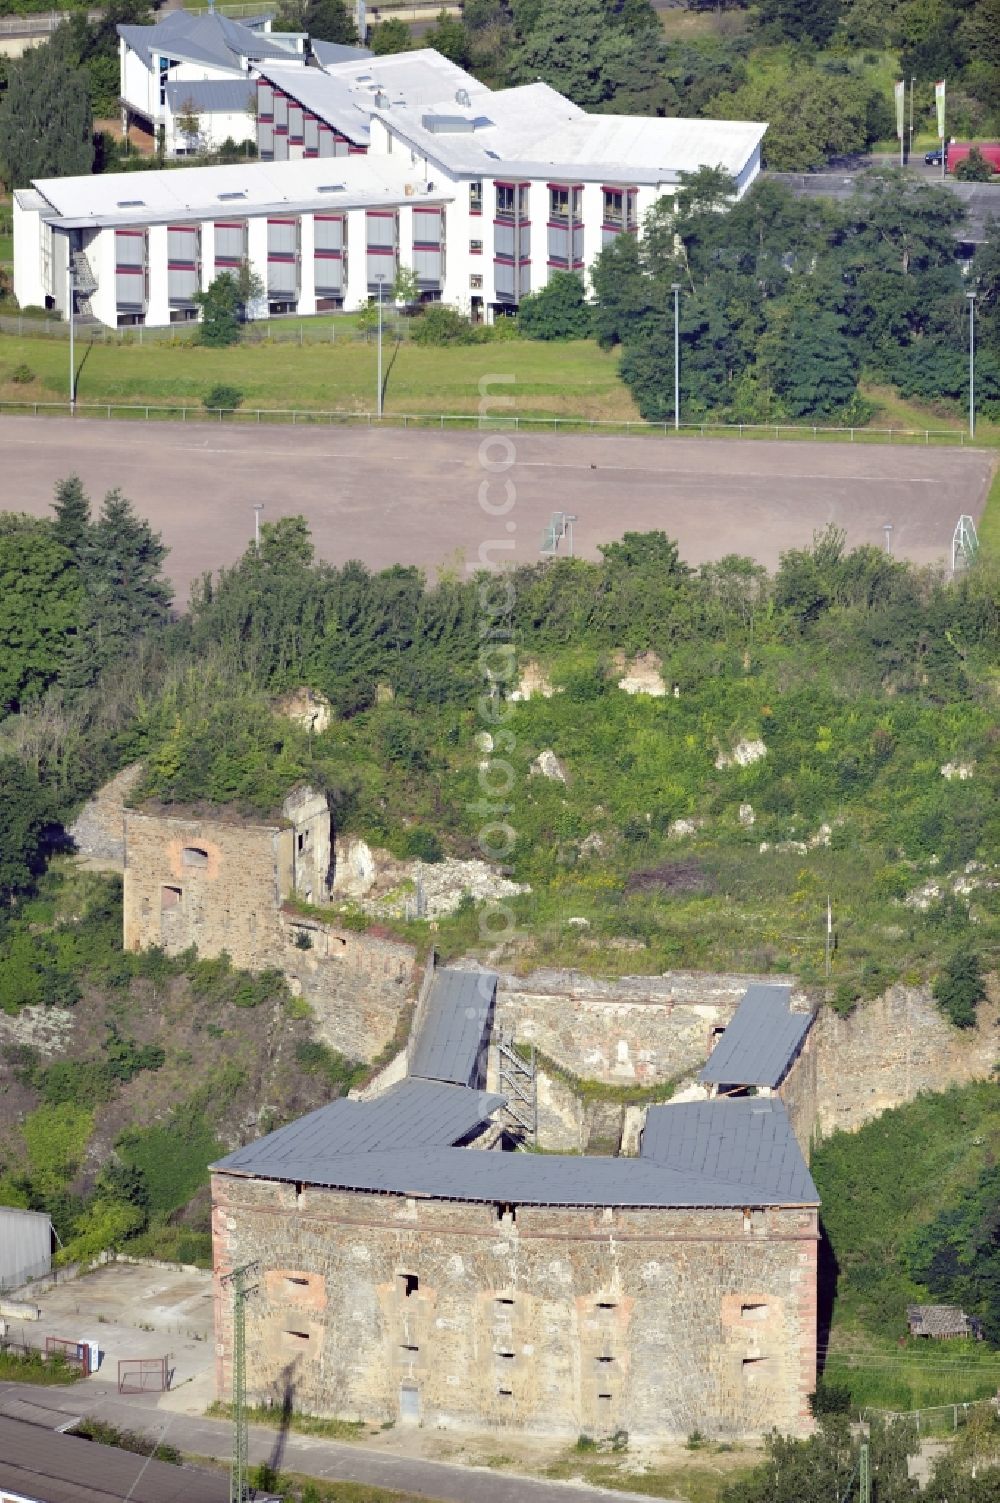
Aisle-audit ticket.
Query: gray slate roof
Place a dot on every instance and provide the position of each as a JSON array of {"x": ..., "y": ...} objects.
[
  {"x": 746, "y": 1142},
  {"x": 941, "y": 1321},
  {"x": 761, "y": 1042},
  {"x": 457, "y": 1014},
  {"x": 224, "y": 96},
  {"x": 35, "y": 1463},
  {"x": 718, "y": 1153},
  {"x": 415, "y": 1113},
  {"x": 329, "y": 53},
  {"x": 209, "y": 39}
]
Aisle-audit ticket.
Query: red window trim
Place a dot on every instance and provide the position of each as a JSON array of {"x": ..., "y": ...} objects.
[
  {"x": 380, "y": 250},
  {"x": 504, "y": 260},
  {"x": 330, "y": 218},
  {"x": 381, "y": 213},
  {"x": 130, "y": 271},
  {"x": 182, "y": 266},
  {"x": 619, "y": 188},
  {"x": 428, "y": 245},
  {"x": 134, "y": 234},
  {"x": 323, "y": 254},
  {"x": 273, "y": 219},
  {"x": 565, "y": 187}
]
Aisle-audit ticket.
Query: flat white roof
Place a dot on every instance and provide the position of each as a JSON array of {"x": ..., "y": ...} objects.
[
  {"x": 541, "y": 132},
  {"x": 344, "y": 94},
  {"x": 237, "y": 190}
]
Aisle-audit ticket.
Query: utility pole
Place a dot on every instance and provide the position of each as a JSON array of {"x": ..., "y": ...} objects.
[
  {"x": 378, "y": 395},
  {"x": 676, "y": 288},
  {"x": 972, "y": 363},
  {"x": 71, "y": 281},
  {"x": 238, "y": 1282}
]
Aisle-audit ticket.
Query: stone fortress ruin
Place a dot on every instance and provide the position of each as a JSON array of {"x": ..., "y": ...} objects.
[
  {"x": 414, "y": 1266},
  {"x": 417, "y": 1264}
]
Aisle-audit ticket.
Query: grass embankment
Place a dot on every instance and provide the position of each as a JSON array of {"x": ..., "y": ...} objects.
[
  {"x": 575, "y": 379},
  {"x": 880, "y": 1188},
  {"x": 565, "y": 380},
  {"x": 989, "y": 522}
]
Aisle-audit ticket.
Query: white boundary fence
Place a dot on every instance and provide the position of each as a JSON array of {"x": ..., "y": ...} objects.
[{"x": 448, "y": 421}]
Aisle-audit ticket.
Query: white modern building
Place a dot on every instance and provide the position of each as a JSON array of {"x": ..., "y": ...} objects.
[
  {"x": 369, "y": 166},
  {"x": 189, "y": 50}
]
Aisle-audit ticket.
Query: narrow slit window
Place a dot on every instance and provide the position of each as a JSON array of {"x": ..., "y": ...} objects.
[
  {"x": 298, "y": 1335},
  {"x": 754, "y": 1311},
  {"x": 299, "y": 1283},
  {"x": 506, "y": 1393},
  {"x": 408, "y": 1284}
]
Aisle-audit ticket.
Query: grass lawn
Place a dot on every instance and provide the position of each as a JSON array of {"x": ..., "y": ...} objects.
[
  {"x": 698, "y": 1477},
  {"x": 575, "y": 379},
  {"x": 989, "y": 522}
]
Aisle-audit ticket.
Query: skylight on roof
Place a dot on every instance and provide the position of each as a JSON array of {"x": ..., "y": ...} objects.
[
  {"x": 330, "y": 188},
  {"x": 237, "y": 193},
  {"x": 131, "y": 203}
]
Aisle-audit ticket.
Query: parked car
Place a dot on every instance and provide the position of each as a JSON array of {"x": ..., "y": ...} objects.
[{"x": 933, "y": 158}]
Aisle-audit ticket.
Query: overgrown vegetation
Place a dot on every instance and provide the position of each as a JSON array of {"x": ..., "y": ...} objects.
[
  {"x": 909, "y": 1207},
  {"x": 27, "y": 1366},
  {"x": 788, "y": 301}
]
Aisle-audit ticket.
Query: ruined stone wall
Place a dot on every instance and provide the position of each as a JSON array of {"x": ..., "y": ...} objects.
[
  {"x": 357, "y": 983},
  {"x": 554, "y": 1321},
  {"x": 204, "y": 882},
  {"x": 799, "y": 1092},
  {"x": 643, "y": 1029},
  {"x": 887, "y": 1051}
]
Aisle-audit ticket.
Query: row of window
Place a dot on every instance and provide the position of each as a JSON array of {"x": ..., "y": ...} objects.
[{"x": 620, "y": 205}]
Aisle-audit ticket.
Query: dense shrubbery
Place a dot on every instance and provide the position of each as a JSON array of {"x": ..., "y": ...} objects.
[{"x": 786, "y": 301}]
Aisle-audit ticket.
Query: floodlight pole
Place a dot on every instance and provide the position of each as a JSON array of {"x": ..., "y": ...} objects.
[
  {"x": 72, "y": 345},
  {"x": 913, "y": 84},
  {"x": 972, "y": 363},
  {"x": 676, "y": 289},
  {"x": 378, "y": 395},
  {"x": 258, "y": 508},
  {"x": 887, "y": 529}
]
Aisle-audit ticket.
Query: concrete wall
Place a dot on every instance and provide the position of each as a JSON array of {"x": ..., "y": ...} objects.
[{"x": 707, "y": 1319}]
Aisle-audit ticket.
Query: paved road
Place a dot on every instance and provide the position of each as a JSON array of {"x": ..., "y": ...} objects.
[
  {"x": 414, "y": 497},
  {"x": 330, "y": 1460}
]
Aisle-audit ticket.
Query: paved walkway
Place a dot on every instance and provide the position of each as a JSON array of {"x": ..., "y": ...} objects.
[{"x": 444, "y": 1482}]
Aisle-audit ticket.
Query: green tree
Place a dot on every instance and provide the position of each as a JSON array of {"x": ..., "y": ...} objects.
[
  {"x": 575, "y": 46},
  {"x": 810, "y": 363},
  {"x": 71, "y": 527},
  {"x": 812, "y": 21},
  {"x": 126, "y": 594},
  {"x": 26, "y": 822},
  {"x": 558, "y": 311},
  {"x": 391, "y": 35},
  {"x": 449, "y": 36},
  {"x": 959, "y": 988},
  {"x": 46, "y": 126},
  {"x": 821, "y": 1468},
  {"x": 93, "y": 41},
  {"x": 974, "y": 168},
  {"x": 812, "y": 114},
  {"x": 220, "y": 311},
  {"x": 40, "y": 609},
  {"x": 323, "y": 20}
]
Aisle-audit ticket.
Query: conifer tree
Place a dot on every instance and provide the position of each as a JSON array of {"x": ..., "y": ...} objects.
[{"x": 71, "y": 527}]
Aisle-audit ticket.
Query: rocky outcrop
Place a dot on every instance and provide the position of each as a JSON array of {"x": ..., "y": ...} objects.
[{"x": 642, "y": 675}]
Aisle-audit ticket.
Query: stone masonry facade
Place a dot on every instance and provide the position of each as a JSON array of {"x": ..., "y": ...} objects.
[
  {"x": 224, "y": 883},
  {"x": 556, "y": 1321}
]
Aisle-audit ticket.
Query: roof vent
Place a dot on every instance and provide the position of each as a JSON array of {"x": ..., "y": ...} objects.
[
  {"x": 381, "y": 99},
  {"x": 330, "y": 188},
  {"x": 448, "y": 125},
  {"x": 131, "y": 203},
  {"x": 462, "y": 97},
  {"x": 229, "y": 197}
]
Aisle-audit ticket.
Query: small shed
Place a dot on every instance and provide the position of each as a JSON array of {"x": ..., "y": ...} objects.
[
  {"x": 943, "y": 1322},
  {"x": 25, "y": 1246}
]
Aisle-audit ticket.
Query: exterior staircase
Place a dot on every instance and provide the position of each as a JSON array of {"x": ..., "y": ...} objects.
[{"x": 84, "y": 283}]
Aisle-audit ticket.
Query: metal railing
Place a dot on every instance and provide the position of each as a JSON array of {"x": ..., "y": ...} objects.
[
  {"x": 451, "y": 421},
  {"x": 269, "y": 331},
  {"x": 935, "y": 1419}
]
